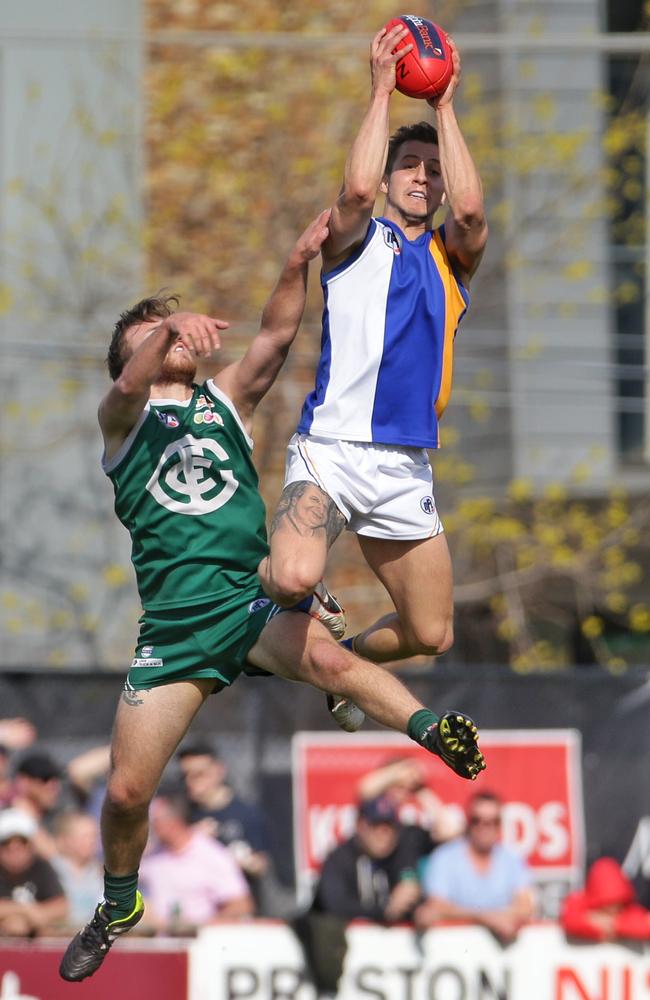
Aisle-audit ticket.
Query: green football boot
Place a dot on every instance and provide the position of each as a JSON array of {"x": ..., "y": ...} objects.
[{"x": 454, "y": 738}]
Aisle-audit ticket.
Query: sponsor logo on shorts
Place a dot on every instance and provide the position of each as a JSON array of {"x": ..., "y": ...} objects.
[
  {"x": 144, "y": 661},
  {"x": 427, "y": 505},
  {"x": 147, "y": 650},
  {"x": 261, "y": 602}
]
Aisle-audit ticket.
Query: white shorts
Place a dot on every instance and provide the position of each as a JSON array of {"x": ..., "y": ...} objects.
[{"x": 382, "y": 491}]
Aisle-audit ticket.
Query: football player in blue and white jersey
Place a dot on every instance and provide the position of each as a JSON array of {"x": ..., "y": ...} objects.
[{"x": 395, "y": 290}]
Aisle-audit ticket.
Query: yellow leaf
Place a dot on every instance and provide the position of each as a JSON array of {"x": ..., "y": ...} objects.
[
  {"x": 555, "y": 492},
  {"x": 520, "y": 490},
  {"x": 115, "y": 576},
  {"x": 78, "y": 592},
  {"x": 639, "y": 618},
  {"x": 577, "y": 270},
  {"x": 616, "y": 602},
  {"x": 592, "y": 627}
]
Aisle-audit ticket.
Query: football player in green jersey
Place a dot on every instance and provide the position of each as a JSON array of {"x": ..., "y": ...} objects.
[{"x": 179, "y": 457}]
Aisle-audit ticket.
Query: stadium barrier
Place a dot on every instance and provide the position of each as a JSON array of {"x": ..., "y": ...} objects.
[{"x": 262, "y": 960}]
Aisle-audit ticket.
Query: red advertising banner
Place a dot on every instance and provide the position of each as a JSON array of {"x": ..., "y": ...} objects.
[
  {"x": 30, "y": 971},
  {"x": 537, "y": 774}
]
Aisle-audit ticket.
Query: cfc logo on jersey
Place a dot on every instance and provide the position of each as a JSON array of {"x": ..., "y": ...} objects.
[{"x": 190, "y": 477}]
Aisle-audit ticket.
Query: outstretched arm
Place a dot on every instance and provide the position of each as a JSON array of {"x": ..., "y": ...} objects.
[
  {"x": 366, "y": 161},
  {"x": 466, "y": 226},
  {"x": 122, "y": 405},
  {"x": 246, "y": 381}
]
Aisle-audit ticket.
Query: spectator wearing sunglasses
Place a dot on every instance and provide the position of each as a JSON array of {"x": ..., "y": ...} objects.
[{"x": 476, "y": 878}]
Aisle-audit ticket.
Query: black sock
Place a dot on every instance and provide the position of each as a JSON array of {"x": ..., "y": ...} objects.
[
  {"x": 119, "y": 893},
  {"x": 419, "y": 722}
]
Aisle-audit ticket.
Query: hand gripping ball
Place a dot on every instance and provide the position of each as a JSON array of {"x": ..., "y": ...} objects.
[{"x": 426, "y": 70}]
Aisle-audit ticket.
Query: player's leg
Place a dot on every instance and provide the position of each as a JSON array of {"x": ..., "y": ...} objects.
[
  {"x": 148, "y": 727},
  {"x": 305, "y": 525},
  {"x": 296, "y": 647},
  {"x": 418, "y": 577}
]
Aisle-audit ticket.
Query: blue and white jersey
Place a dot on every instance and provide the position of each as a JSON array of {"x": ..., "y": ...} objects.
[{"x": 391, "y": 313}]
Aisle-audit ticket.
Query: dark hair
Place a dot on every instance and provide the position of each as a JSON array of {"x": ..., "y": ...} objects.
[
  {"x": 420, "y": 132},
  {"x": 40, "y": 766},
  {"x": 378, "y": 810},
  {"x": 485, "y": 796},
  {"x": 157, "y": 307},
  {"x": 197, "y": 750}
]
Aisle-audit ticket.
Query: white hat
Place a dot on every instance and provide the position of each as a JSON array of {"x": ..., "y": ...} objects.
[{"x": 16, "y": 823}]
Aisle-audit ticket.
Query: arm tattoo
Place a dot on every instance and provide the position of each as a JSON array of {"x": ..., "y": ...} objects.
[{"x": 307, "y": 509}]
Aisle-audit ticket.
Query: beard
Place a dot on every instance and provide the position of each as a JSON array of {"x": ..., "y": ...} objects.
[
  {"x": 178, "y": 368},
  {"x": 411, "y": 214},
  {"x": 415, "y": 217}
]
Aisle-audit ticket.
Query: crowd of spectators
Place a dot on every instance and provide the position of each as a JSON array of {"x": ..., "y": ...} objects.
[
  {"x": 207, "y": 859},
  {"x": 410, "y": 859}
]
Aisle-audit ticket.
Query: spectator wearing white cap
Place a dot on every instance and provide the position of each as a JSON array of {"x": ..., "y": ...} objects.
[{"x": 31, "y": 895}]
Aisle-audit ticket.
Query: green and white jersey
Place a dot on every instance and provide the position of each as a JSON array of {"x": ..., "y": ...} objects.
[{"x": 187, "y": 491}]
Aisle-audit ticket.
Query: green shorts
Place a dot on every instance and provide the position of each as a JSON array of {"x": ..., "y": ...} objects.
[{"x": 205, "y": 640}]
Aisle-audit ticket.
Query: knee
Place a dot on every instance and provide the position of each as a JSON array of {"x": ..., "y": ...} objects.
[
  {"x": 125, "y": 797},
  {"x": 430, "y": 639},
  {"x": 331, "y": 664}
]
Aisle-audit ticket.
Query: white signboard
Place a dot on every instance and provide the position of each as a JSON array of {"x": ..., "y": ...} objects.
[{"x": 263, "y": 962}]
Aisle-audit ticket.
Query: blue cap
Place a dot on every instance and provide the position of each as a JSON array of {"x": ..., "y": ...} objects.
[{"x": 378, "y": 810}]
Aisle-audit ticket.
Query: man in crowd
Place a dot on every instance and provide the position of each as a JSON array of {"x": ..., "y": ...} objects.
[
  {"x": 404, "y": 781},
  {"x": 476, "y": 878},
  {"x": 31, "y": 896},
  {"x": 76, "y": 836},
  {"x": 37, "y": 792},
  {"x": 371, "y": 876},
  {"x": 190, "y": 879},
  {"x": 221, "y": 813}
]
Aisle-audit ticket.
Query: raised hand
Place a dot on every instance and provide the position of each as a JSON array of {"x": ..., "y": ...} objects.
[
  {"x": 447, "y": 95},
  {"x": 383, "y": 58},
  {"x": 309, "y": 243},
  {"x": 196, "y": 332}
]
